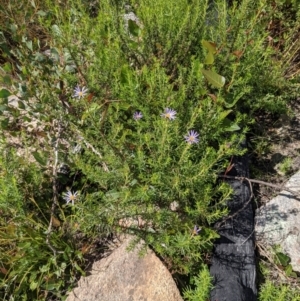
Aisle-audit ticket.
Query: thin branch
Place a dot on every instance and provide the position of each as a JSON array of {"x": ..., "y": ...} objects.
[
  {"x": 54, "y": 189},
  {"x": 280, "y": 187},
  {"x": 218, "y": 225},
  {"x": 250, "y": 181},
  {"x": 90, "y": 146}
]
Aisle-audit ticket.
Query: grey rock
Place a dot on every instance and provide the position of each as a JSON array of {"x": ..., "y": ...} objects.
[
  {"x": 278, "y": 222},
  {"x": 126, "y": 276}
]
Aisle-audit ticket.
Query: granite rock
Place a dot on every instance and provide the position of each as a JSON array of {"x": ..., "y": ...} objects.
[{"x": 126, "y": 276}]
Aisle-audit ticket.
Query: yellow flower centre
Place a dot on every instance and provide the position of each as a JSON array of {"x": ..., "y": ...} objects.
[{"x": 168, "y": 115}]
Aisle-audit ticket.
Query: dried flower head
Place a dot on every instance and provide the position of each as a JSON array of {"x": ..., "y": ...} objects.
[
  {"x": 191, "y": 137},
  {"x": 70, "y": 196},
  {"x": 169, "y": 113},
  {"x": 137, "y": 115},
  {"x": 80, "y": 92}
]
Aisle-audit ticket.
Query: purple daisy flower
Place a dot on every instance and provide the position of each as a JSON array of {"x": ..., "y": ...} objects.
[
  {"x": 191, "y": 137},
  {"x": 70, "y": 196},
  {"x": 80, "y": 92},
  {"x": 169, "y": 113},
  {"x": 137, "y": 116},
  {"x": 196, "y": 230}
]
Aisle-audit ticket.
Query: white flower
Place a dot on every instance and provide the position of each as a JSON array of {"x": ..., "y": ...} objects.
[
  {"x": 80, "y": 92},
  {"x": 137, "y": 116},
  {"x": 169, "y": 113},
  {"x": 70, "y": 196}
]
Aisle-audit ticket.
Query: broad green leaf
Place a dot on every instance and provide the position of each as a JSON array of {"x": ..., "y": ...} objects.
[
  {"x": 33, "y": 285},
  {"x": 32, "y": 3},
  {"x": 213, "y": 78},
  {"x": 29, "y": 45},
  {"x": 289, "y": 271},
  {"x": 4, "y": 93},
  {"x": 25, "y": 118},
  {"x": 41, "y": 13},
  {"x": 55, "y": 53},
  {"x": 124, "y": 75},
  {"x": 133, "y": 28},
  {"x": 90, "y": 111},
  {"x": 56, "y": 30},
  {"x": 210, "y": 46},
  {"x": 6, "y": 80},
  {"x": 52, "y": 285},
  {"x": 229, "y": 126},
  {"x": 234, "y": 127},
  {"x": 4, "y": 123},
  {"x": 3, "y": 108},
  {"x": 24, "y": 70},
  {"x": 114, "y": 195},
  {"x": 21, "y": 105},
  {"x": 39, "y": 158},
  {"x": 232, "y": 99},
  {"x": 224, "y": 114},
  {"x": 229, "y": 105},
  {"x": 44, "y": 268},
  {"x": 283, "y": 259},
  {"x": 13, "y": 28},
  {"x": 209, "y": 58}
]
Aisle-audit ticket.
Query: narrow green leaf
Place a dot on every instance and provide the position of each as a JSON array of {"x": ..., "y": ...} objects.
[
  {"x": 4, "y": 93},
  {"x": 213, "y": 78},
  {"x": 78, "y": 268}
]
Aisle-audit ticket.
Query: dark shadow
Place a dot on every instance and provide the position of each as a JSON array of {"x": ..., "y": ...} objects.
[{"x": 233, "y": 264}]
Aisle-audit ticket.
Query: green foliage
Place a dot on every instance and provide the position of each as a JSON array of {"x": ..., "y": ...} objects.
[
  {"x": 272, "y": 291},
  {"x": 203, "y": 285},
  {"x": 286, "y": 166},
  {"x": 29, "y": 269},
  {"x": 209, "y": 63}
]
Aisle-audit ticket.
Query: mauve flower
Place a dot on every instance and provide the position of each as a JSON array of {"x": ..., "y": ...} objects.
[
  {"x": 196, "y": 230},
  {"x": 80, "y": 92},
  {"x": 191, "y": 137},
  {"x": 169, "y": 113},
  {"x": 137, "y": 116}
]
